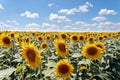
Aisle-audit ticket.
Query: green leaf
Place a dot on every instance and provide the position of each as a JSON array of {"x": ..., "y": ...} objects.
[{"x": 6, "y": 72}]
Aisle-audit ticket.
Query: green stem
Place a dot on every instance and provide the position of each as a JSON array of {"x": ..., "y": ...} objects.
[{"x": 40, "y": 71}]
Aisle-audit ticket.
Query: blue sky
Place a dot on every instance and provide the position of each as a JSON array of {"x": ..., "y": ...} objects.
[{"x": 60, "y": 15}]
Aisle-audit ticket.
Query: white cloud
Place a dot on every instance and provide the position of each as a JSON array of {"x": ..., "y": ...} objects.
[
  {"x": 13, "y": 22},
  {"x": 30, "y": 15},
  {"x": 56, "y": 17},
  {"x": 32, "y": 27},
  {"x": 67, "y": 27},
  {"x": 83, "y": 8},
  {"x": 107, "y": 12},
  {"x": 4, "y": 26},
  {"x": 51, "y": 4},
  {"x": 81, "y": 23},
  {"x": 1, "y": 7},
  {"x": 99, "y": 19},
  {"x": 48, "y": 26},
  {"x": 103, "y": 26}
]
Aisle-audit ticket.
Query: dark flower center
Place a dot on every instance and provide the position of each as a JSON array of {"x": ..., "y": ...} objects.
[
  {"x": 31, "y": 54},
  {"x": 62, "y": 47},
  {"x": 6, "y": 40},
  {"x": 92, "y": 51},
  {"x": 63, "y": 69},
  {"x": 75, "y": 38}
]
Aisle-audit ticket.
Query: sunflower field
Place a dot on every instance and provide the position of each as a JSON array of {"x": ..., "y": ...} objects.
[{"x": 59, "y": 55}]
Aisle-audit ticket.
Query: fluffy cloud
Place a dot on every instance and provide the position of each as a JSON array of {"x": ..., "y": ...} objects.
[
  {"x": 51, "y": 4},
  {"x": 107, "y": 12},
  {"x": 32, "y": 27},
  {"x": 103, "y": 26},
  {"x": 99, "y": 19},
  {"x": 1, "y": 7},
  {"x": 4, "y": 26},
  {"x": 30, "y": 15},
  {"x": 13, "y": 22},
  {"x": 67, "y": 27},
  {"x": 55, "y": 17},
  {"x": 83, "y": 8},
  {"x": 48, "y": 26}
]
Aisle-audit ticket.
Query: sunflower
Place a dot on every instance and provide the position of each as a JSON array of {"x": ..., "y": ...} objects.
[
  {"x": 81, "y": 38},
  {"x": 101, "y": 46},
  {"x": 91, "y": 39},
  {"x": 91, "y": 51},
  {"x": 40, "y": 38},
  {"x": 31, "y": 55},
  {"x": 12, "y": 34},
  {"x": 74, "y": 38},
  {"x": 48, "y": 37},
  {"x": 100, "y": 37},
  {"x": 43, "y": 45},
  {"x": 83, "y": 68},
  {"x": 5, "y": 41},
  {"x": 64, "y": 69},
  {"x": 63, "y": 36},
  {"x": 61, "y": 47}
]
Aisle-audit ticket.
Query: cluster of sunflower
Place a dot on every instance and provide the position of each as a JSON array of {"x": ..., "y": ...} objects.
[{"x": 72, "y": 54}]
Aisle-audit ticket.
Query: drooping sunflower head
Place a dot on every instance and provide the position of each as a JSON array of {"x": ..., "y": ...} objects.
[
  {"x": 91, "y": 51},
  {"x": 5, "y": 41},
  {"x": 44, "y": 45},
  {"x": 101, "y": 46},
  {"x": 83, "y": 68},
  {"x": 64, "y": 69},
  {"x": 61, "y": 47},
  {"x": 74, "y": 38},
  {"x": 31, "y": 55}
]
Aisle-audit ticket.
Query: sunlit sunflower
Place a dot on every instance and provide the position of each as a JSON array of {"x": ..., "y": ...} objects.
[
  {"x": 83, "y": 68},
  {"x": 31, "y": 55},
  {"x": 12, "y": 34},
  {"x": 5, "y": 41},
  {"x": 61, "y": 48},
  {"x": 81, "y": 38},
  {"x": 48, "y": 37},
  {"x": 101, "y": 46},
  {"x": 64, "y": 69},
  {"x": 63, "y": 35},
  {"x": 44, "y": 45},
  {"x": 74, "y": 38},
  {"x": 91, "y": 51},
  {"x": 100, "y": 37},
  {"x": 90, "y": 39},
  {"x": 39, "y": 38}
]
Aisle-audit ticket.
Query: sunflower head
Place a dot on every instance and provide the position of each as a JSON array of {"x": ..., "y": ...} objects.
[
  {"x": 63, "y": 36},
  {"x": 63, "y": 69},
  {"x": 91, "y": 39},
  {"x": 81, "y": 38},
  {"x": 44, "y": 45},
  {"x": 74, "y": 38},
  {"x": 5, "y": 41},
  {"x": 101, "y": 46},
  {"x": 61, "y": 47},
  {"x": 83, "y": 68},
  {"x": 31, "y": 55},
  {"x": 91, "y": 51},
  {"x": 40, "y": 38}
]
